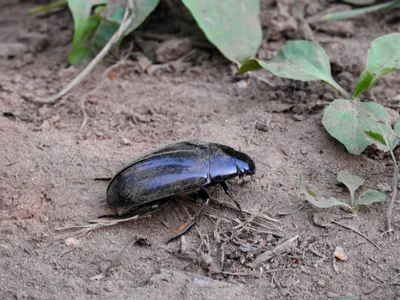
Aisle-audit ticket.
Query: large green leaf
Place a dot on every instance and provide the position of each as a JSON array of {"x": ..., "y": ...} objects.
[
  {"x": 352, "y": 182},
  {"x": 142, "y": 9},
  {"x": 116, "y": 12},
  {"x": 347, "y": 121},
  {"x": 383, "y": 58},
  {"x": 83, "y": 24},
  {"x": 298, "y": 60},
  {"x": 233, "y": 26}
]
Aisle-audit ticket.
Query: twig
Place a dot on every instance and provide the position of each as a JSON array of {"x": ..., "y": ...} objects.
[
  {"x": 278, "y": 250},
  {"x": 358, "y": 232},
  {"x": 83, "y": 229},
  {"x": 119, "y": 256},
  {"x": 126, "y": 21},
  {"x": 383, "y": 284},
  {"x": 240, "y": 274},
  {"x": 100, "y": 85},
  {"x": 252, "y": 133},
  {"x": 277, "y": 270}
]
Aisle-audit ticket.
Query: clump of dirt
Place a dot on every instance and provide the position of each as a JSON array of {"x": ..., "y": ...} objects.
[{"x": 283, "y": 248}]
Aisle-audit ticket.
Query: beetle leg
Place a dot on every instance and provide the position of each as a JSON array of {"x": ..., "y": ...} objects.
[
  {"x": 205, "y": 199},
  {"x": 228, "y": 192},
  {"x": 125, "y": 212}
]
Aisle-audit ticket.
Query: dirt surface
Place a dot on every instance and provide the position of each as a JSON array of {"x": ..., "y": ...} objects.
[{"x": 50, "y": 160}]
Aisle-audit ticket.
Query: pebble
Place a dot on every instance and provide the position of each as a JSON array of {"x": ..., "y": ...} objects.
[{"x": 71, "y": 242}]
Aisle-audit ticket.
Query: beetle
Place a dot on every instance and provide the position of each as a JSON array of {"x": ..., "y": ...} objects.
[{"x": 181, "y": 168}]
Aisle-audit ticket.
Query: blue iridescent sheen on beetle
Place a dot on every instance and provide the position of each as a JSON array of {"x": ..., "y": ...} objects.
[{"x": 175, "y": 169}]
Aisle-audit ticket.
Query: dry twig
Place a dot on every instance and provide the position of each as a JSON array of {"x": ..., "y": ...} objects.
[
  {"x": 358, "y": 232},
  {"x": 83, "y": 229},
  {"x": 126, "y": 21}
]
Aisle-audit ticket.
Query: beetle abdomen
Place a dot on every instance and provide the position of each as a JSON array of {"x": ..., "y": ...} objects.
[{"x": 160, "y": 176}]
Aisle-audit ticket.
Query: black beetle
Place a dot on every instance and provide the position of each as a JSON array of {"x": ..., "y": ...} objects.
[{"x": 186, "y": 167}]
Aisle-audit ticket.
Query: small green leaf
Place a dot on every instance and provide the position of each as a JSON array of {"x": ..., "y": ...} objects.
[
  {"x": 251, "y": 64},
  {"x": 381, "y": 141},
  {"x": 344, "y": 15},
  {"x": 360, "y": 2},
  {"x": 326, "y": 203},
  {"x": 352, "y": 182},
  {"x": 347, "y": 121},
  {"x": 298, "y": 60},
  {"x": 348, "y": 297},
  {"x": 365, "y": 82},
  {"x": 376, "y": 137},
  {"x": 233, "y": 26},
  {"x": 79, "y": 55},
  {"x": 383, "y": 58},
  {"x": 104, "y": 32},
  {"x": 310, "y": 194},
  {"x": 370, "y": 197}
]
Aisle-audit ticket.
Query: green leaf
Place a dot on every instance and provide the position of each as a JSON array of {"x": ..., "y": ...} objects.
[
  {"x": 79, "y": 55},
  {"x": 117, "y": 14},
  {"x": 104, "y": 32},
  {"x": 360, "y": 2},
  {"x": 143, "y": 8},
  {"x": 233, "y": 26},
  {"x": 84, "y": 25},
  {"x": 377, "y": 138},
  {"x": 310, "y": 194},
  {"x": 344, "y": 15},
  {"x": 383, "y": 58},
  {"x": 381, "y": 141},
  {"x": 47, "y": 7},
  {"x": 365, "y": 82},
  {"x": 348, "y": 297},
  {"x": 347, "y": 121},
  {"x": 326, "y": 203},
  {"x": 370, "y": 197},
  {"x": 298, "y": 60},
  {"x": 352, "y": 182},
  {"x": 397, "y": 128}
]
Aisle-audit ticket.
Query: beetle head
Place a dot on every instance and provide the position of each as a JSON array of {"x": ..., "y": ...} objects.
[
  {"x": 244, "y": 164},
  {"x": 227, "y": 163}
]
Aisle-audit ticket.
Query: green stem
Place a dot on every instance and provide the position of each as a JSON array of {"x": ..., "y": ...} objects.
[
  {"x": 341, "y": 90},
  {"x": 48, "y": 7}
]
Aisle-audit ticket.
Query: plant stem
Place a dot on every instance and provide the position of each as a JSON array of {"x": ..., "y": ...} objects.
[
  {"x": 341, "y": 90},
  {"x": 395, "y": 182},
  {"x": 47, "y": 7}
]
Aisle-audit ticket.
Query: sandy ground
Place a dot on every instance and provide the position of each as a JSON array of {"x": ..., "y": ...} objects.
[{"x": 49, "y": 163}]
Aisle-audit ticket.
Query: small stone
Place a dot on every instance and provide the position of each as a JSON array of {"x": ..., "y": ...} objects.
[
  {"x": 71, "y": 242},
  {"x": 332, "y": 295},
  {"x": 20, "y": 296},
  {"x": 9, "y": 50},
  {"x": 45, "y": 125},
  {"x": 126, "y": 142},
  {"x": 339, "y": 254},
  {"x": 321, "y": 283}
]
